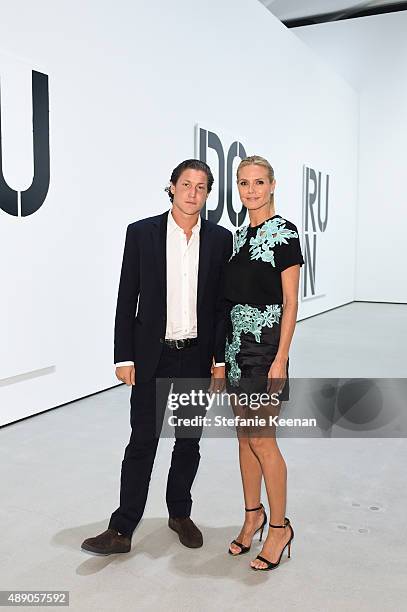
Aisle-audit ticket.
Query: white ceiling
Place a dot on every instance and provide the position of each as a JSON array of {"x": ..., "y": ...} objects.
[{"x": 296, "y": 9}]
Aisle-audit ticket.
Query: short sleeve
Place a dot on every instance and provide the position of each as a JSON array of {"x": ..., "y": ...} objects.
[{"x": 288, "y": 253}]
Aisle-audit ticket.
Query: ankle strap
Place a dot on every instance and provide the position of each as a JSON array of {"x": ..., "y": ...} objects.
[
  {"x": 286, "y": 523},
  {"x": 253, "y": 509}
]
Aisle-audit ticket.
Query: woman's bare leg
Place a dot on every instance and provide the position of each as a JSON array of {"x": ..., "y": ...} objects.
[
  {"x": 250, "y": 470},
  {"x": 274, "y": 471}
]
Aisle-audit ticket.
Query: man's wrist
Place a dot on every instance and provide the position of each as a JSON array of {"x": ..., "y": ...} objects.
[{"x": 124, "y": 363}]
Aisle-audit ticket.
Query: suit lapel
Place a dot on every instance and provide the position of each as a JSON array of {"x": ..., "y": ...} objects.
[
  {"x": 159, "y": 237},
  {"x": 204, "y": 257}
]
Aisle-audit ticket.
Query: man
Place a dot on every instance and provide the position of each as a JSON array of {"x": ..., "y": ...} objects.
[{"x": 169, "y": 324}]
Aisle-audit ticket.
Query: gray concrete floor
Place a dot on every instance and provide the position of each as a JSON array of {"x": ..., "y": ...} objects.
[{"x": 347, "y": 500}]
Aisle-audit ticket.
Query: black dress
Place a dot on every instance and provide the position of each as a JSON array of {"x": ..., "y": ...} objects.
[{"x": 254, "y": 295}]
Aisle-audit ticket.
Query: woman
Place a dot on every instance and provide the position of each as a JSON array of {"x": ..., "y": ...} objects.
[{"x": 261, "y": 286}]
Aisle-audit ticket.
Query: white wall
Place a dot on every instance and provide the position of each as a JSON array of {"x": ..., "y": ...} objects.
[
  {"x": 128, "y": 82},
  {"x": 371, "y": 53}
]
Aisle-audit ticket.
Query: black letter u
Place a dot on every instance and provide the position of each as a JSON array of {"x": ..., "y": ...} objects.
[{"x": 32, "y": 198}]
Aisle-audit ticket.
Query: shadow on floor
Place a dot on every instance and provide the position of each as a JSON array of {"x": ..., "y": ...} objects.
[{"x": 153, "y": 542}]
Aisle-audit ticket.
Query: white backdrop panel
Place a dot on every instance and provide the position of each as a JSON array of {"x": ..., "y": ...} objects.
[{"x": 128, "y": 83}]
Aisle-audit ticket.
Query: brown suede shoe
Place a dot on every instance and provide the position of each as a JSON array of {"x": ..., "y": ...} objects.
[
  {"x": 188, "y": 532},
  {"x": 107, "y": 543}
]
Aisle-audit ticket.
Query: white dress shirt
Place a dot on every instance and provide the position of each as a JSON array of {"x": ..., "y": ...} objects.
[
  {"x": 182, "y": 280},
  {"x": 182, "y": 283}
]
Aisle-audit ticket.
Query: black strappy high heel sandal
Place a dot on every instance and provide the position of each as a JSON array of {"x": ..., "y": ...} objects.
[
  {"x": 271, "y": 565},
  {"x": 245, "y": 549}
]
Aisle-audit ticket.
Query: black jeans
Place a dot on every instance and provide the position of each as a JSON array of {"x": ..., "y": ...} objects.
[{"x": 146, "y": 420}]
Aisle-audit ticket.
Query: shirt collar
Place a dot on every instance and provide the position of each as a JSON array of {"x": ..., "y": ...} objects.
[{"x": 172, "y": 225}]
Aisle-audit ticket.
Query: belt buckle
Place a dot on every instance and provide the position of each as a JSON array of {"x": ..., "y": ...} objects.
[{"x": 181, "y": 346}]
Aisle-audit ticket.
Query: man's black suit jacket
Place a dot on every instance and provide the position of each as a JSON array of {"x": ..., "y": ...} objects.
[{"x": 141, "y": 313}]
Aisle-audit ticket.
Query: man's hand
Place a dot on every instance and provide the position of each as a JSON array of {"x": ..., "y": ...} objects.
[
  {"x": 217, "y": 379},
  {"x": 126, "y": 374}
]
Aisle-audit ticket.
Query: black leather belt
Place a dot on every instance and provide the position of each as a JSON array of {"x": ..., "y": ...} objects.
[{"x": 180, "y": 344}]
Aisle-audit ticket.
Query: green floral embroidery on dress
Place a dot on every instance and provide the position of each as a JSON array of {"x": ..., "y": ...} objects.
[
  {"x": 239, "y": 239},
  {"x": 247, "y": 319},
  {"x": 272, "y": 232}
]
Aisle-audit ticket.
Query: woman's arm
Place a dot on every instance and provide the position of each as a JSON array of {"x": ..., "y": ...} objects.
[{"x": 290, "y": 278}]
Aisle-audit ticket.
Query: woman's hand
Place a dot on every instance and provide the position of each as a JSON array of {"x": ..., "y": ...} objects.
[{"x": 277, "y": 375}]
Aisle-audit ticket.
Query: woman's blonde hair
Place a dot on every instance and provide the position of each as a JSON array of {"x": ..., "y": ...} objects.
[{"x": 256, "y": 160}]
